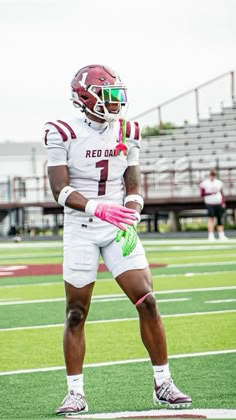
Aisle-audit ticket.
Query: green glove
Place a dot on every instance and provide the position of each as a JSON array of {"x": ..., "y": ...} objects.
[{"x": 130, "y": 239}]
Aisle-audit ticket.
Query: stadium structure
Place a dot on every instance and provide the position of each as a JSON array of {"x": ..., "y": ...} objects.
[{"x": 173, "y": 163}]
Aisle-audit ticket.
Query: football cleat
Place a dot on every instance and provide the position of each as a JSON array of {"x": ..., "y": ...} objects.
[
  {"x": 170, "y": 396},
  {"x": 72, "y": 404},
  {"x": 223, "y": 238}
]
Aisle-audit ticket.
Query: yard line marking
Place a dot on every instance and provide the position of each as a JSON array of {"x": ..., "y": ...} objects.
[
  {"x": 191, "y": 413},
  {"x": 59, "y": 244},
  {"x": 31, "y": 245},
  {"x": 204, "y": 264},
  {"x": 25, "y": 302},
  {"x": 190, "y": 257},
  {"x": 220, "y": 301},
  {"x": 101, "y": 321},
  {"x": 107, "y": 299},
  {"x": 187, "y": 248},
  {"x": 12, "y": 267},
  {"x": 202, "y": 273},
  {"x": 186, "y": 242},
  {"x": 200, "y": 413},
  {"x": 154, "y": 276},
  {"x": 121, "y": 296},
  {"x": 120, "y": 362}
]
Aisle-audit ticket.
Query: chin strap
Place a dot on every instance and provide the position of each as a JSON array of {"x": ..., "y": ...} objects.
[{"x": 121, "y": 147}]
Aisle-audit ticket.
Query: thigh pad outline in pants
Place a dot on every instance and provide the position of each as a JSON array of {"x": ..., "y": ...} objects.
[{"x": 80, "y": 263}]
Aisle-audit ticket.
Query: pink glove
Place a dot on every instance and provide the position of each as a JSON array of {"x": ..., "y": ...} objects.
[{"x": 112, "y": 213}]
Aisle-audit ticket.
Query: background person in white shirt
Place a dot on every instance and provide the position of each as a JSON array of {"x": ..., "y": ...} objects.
[{"x": 212, "y": 192}]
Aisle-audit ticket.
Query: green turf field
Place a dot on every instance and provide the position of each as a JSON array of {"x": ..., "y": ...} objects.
[{"x": 196, "y": 295}]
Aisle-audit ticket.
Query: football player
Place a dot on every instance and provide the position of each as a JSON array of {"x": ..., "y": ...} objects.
[{"x": 93, "y": 169}]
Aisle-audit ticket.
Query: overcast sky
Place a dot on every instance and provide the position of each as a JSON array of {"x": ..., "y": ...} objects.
[{"x": 160, "y": 48}]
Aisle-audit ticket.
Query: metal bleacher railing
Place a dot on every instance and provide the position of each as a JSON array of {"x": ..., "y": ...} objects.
[
  {"x": 195, "y": 91},
  {"x": 174, "y": 162}
]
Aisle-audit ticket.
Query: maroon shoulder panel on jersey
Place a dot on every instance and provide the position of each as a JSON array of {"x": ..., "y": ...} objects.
[
  {"x": 73, "y": 135},
  {"x": 60, "y": 130},
  {"x": 128, "y": 129},
  {"x": 136, "y": 129}
]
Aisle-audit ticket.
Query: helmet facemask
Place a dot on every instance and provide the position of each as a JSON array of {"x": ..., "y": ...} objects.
[
  {"x": 101, "y": 97},
  {"x": 99, "y": 91}
]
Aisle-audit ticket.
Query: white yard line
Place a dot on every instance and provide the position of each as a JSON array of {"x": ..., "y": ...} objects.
[
  {"x": 120, "y": 296},
  {"x": 58, "y": 244},
  {"x": 218, "y": 413},
  {"x": 190, "y": 257},
  {"x": 120, "y": 362},
  {"x": 105, "y": 280},
  {"x": 107, "y": 299},
  {"x": 20, "y": 245},
  {"x": 188, "y": 248},
  {"x": 187, "y": 242},
  {"x": 104, "y": 321},
  {"x": 203, "y": 264},
  {"x": 220, "y": 301}
]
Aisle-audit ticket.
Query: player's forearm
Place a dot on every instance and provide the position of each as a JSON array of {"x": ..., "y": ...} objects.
[
  {"x": 76, "y": 201},
  {"x": 132, "y": 180},
  {"x": 67, "y": 196},
  {"x": 63, "y": 193}
]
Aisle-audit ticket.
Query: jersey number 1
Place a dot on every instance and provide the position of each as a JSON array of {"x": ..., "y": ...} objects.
[{"x": 103, "y": 176}]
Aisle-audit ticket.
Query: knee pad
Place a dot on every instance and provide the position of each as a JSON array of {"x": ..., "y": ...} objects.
[{"x": 74, "y": 317}]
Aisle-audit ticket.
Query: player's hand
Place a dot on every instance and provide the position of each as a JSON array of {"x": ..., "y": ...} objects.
[
  {"x": 115, "y": 214},
  {"x": 130, "y": 239}
]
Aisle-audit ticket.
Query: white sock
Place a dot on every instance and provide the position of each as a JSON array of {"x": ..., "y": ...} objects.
[
  {"x": 161, "y": 373},
  {"x": 76, "y": 383}
]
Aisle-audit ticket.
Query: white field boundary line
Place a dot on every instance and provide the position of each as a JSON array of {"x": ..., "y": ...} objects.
[
  {"x": 120, "y": 362},
  {"x": 104, "y": 321},
  {"x": 120, "y": 296},
  {"x": 217, "y": 413}
]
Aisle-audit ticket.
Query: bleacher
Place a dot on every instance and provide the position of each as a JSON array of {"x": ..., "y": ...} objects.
[{"x": 174, "y": 162}]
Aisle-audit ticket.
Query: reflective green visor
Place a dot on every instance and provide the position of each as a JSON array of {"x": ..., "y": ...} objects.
[{"x": 114, "y": 94}]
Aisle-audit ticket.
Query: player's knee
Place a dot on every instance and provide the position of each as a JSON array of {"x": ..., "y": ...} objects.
[
  {"x": 75, "y": 316},
  {"x": 148, "y": 305}
]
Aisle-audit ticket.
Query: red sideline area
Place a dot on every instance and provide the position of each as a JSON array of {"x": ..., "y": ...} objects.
[{"x": 43, "y": 269}]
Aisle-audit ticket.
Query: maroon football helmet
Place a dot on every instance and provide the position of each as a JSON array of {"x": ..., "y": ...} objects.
[{"x": 94, "y": 87}]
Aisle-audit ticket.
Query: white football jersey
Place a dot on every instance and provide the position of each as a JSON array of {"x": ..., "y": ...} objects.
[
  {"x": 88, "y": 149},
  {"x": 213, "y": 188}
]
